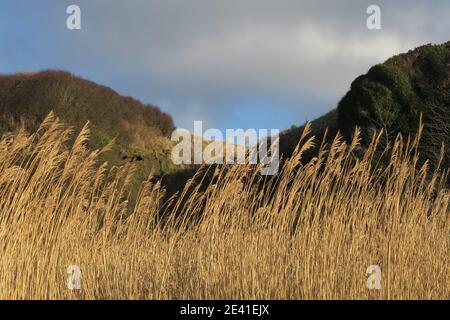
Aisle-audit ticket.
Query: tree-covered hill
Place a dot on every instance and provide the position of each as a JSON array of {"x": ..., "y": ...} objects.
[
  {"x": 392, "y": 96},
  {"x": 141, "y": 131}
]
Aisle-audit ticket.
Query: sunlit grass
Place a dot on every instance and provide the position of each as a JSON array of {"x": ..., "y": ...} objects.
[{"x": 308, "y": 233}]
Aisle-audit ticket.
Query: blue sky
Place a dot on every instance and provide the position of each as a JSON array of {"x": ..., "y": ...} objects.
[{"x": 233, "y": 64}]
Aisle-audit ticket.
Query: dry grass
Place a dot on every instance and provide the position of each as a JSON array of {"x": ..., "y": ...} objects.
[{"x": 310, "y": 233}]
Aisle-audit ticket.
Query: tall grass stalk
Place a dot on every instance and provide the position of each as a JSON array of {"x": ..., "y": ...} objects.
[{"x": 308, "y": 233}]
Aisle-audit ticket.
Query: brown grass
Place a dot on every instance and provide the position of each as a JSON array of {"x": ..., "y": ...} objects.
[{"x": 310, "y": 233}]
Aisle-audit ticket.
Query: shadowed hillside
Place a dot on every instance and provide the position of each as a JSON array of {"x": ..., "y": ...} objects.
[{"x": 392, "y": 96}]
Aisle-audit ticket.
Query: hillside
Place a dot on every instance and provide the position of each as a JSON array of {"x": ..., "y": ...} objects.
[
  {"x": 141, "y": 132},
  {"x": 391, "y": 96}
]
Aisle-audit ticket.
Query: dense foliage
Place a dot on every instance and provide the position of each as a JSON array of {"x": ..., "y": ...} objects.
[
  {"x": 392, "y": 95},
  {"x": 140, "y": 131}
]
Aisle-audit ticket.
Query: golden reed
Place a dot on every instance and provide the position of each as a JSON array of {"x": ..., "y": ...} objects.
[{"x": 309, "y": 233}]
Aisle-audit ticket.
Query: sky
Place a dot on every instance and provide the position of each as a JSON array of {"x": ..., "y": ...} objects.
[{"x": 232, "y": 64}]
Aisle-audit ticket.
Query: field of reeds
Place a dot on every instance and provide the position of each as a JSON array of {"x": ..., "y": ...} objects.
[{"x": 308, "y": 233}]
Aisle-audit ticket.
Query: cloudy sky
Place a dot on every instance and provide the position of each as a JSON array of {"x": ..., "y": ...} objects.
[{"x": 232, "y": 64}]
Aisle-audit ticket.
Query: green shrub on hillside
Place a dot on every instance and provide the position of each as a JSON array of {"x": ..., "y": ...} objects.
[{"x": 392, "y": 95}]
